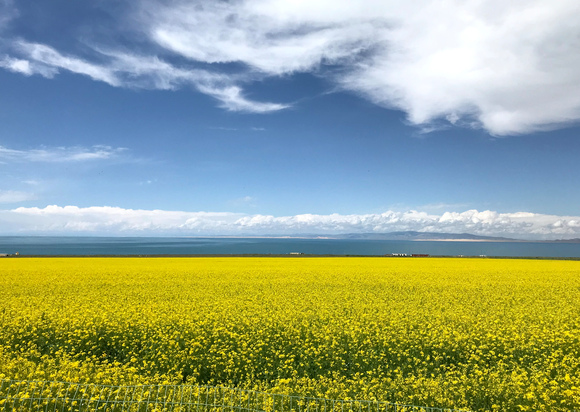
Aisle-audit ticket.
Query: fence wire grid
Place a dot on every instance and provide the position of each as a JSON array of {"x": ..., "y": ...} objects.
[{"x": 49, "y": 396}]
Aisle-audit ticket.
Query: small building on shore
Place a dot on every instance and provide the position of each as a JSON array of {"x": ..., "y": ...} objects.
[{"x": 9, "y": 254}]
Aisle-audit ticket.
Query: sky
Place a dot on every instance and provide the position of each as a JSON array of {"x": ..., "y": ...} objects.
[{"x": 271, "y": 117}]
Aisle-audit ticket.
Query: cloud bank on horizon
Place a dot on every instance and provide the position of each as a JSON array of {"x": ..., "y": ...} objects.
[
  {"x": 507, "y": 67},
  {"x": 118, "y": 221}
]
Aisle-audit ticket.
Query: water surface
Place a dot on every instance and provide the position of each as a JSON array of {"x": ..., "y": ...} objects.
[{"x": 47, "y": 245}]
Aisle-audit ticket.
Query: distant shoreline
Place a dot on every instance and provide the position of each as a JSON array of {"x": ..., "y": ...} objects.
[
  {"x": 468, "y": 240},
  {"x": 288, "y": 255},
  {"x": 393, "y": 236}
]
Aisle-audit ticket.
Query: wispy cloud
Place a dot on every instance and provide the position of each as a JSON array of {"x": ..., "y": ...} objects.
[
  {"x": 27, "y": 68},
  {"x": 15, "y": 196},
  {"x": 442, "y": 207},
  {"x": 274, "y": 37},
  {"x": 147, "y": 182},
  {"x": 233, "y": 129},
  {"x": 7, "y": 12},
  {"x": 59, "y": 154},
  {"x": 232, "y": 99},
  {"x": 246, "y": 201},
  {"x": 31, "y": 182},
  {"x": 227, "y": 129},
  {"x": 47, "y": 60},
  {"x": 115, "y": 220},
  {"x": 121, "y": 69}
]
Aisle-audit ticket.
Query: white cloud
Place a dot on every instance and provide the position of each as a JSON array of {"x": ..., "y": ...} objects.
[
  {"x": 227, "y": 129},
  {"x": 441, "y": 207},
  {"x": 245, "y": 201},
  {"x": 31, "y": 182},
  {"x": 50, "y": 59},
  {"x": 16, "y": 65},
  {"x": 112, "y": 219},
  {"x": 271, "y": 36},
  {"x": 233, "y": 100},
  {"x": 15, "y": 196},
  {"x": 115, "y": 220},
  {"x": 121, "y": 69},
  {"x": 27, "y": 67},
  {"x": 59, "y": 154},
  {"x": 507, "y": 67},
  {"x": 7, "y": 12}
]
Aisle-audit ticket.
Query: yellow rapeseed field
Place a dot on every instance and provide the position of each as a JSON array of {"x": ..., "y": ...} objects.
[{"x": 478, "y": 334}]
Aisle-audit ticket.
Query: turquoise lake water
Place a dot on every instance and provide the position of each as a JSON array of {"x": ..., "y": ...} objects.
[{"x": 32, "y": 245}]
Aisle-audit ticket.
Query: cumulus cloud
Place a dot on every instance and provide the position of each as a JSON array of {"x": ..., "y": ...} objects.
[
  {"x": 507, "y": 67},
  {"x": 59, "y": 154},
  {"x": 115, "y": 220},
  {"x": 73, "y": 219}
]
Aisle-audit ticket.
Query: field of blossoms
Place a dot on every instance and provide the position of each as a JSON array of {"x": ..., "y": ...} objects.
[{"x": 477, "y": 334}]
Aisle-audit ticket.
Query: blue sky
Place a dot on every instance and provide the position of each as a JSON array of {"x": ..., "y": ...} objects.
[{"x": 287, "y": 117}]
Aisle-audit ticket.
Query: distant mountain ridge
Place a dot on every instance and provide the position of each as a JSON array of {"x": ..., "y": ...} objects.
[
  {"x": 575, "y": 240},
  {"x": 409, "y": 235},
  {"x": 413, "y": 235}
]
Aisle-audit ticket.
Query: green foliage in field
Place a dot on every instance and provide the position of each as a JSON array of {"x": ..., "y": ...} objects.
[{"x": 477, "y": 334}]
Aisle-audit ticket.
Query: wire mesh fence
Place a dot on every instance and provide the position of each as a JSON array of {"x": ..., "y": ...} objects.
[{"x": 46, "y": 396}]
